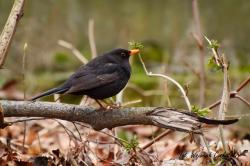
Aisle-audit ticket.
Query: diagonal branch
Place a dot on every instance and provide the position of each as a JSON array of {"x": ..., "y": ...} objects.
[
  {"x": 74, "y": 50},
  {"x": 9, "y": 29},
  {"x": 242, "y": 99},
  {"x": 233, "y": 94}
]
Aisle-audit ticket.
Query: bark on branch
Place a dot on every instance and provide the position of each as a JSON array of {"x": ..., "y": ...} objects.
[
  {"x": 99, "y": 119},
  {"x": 10, "y": 28}
]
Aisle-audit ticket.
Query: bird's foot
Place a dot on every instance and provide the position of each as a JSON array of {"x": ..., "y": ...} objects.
[{"x": 114, "y": 106}]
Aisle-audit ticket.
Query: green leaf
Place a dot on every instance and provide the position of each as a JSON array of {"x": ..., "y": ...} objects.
[
  {"x": 130, "y": 142},
  {"x": 200, "y": 111},
  {"x": 212, "y": 64},
  {"x": 214, "y": 44},
  {"x": 135, "y": 45}
]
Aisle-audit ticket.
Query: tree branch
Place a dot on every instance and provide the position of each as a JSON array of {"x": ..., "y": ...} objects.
[
  {"x": 99, "y": 119},
  {"x": 9, "y": 29}
]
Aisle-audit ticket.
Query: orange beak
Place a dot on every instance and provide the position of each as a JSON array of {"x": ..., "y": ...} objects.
[{"x": 134, "y": 51}]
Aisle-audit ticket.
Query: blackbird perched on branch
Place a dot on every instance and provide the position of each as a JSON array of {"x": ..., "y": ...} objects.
[{"x": 102, "y": 77}]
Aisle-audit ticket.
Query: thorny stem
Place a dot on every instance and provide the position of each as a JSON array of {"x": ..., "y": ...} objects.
[
  {"x": 222, "y": 62},
  {"x": 224, "y": 102}
]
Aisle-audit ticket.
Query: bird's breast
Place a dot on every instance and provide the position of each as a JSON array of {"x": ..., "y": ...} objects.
[{"x": 126, "y": 70}]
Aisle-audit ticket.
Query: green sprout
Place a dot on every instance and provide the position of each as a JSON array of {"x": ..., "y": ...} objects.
[
  {"x": 214, "y": 44},
  {"x": 212, "y": 64},
  {"x": 135, "y": 45},
  {"x": 129, "y": 142},
  {"x": 132, "y": 144},
  {"x": 200, "y": 111}
]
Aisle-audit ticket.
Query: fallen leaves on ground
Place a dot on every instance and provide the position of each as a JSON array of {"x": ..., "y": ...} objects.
[{"x": 57, "y": 142}]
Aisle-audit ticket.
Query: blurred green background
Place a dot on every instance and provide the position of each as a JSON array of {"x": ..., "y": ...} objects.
[{"x": 164, "y": 27}]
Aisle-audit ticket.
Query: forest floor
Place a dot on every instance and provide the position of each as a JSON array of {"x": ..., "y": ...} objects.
[{"x": 57, "y": 142}]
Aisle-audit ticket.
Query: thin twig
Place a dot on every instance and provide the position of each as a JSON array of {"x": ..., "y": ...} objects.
[
  {"x": 92, "y": 38},
  {"x": 200, "y": 44},
  {"x": 131, "y": 102},
  {"x": 242, "y": 99},
  {"x": 117, "y": 139},
  {"x": 24, "y": 69},
  {"x": 167, "y": 78},
  {"x": 25, "y": 119},
  {"x": 232, "y": 93},
  {"x": 39, "y": 142},
  {"x": 77, "y": 131},
  {"x": 9, "y": 29},
  {"x": 159, "y": 137},
  {"x": 66, "y": 129},
  {"x": 75, "y": 51},
  {"x": 243, "y": 84},
  {"x": 24, "y": 134},
  {"x": 24, "y": 89}
]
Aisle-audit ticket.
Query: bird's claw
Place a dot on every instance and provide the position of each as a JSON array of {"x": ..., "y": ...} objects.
[{"x": 114, "y": 106}]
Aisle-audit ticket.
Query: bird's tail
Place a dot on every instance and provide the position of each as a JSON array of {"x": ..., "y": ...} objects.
[
  {"x": 50, "y": 92},
  {"x": 217, "y": 122}
]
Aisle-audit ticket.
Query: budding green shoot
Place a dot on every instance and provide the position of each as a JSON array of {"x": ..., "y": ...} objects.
[
  {"x": 200, "y": 111},
  {"x": 135, "y": 45}
]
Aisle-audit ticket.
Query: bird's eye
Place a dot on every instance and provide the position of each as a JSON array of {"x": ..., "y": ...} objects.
[{"x": 123, "y": 54}]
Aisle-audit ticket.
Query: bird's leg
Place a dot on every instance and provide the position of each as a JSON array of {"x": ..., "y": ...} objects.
[
  {"x": 112, "y": 105},
  {"x": 109, "y": 106},
  {"x": 99, "y": 103},
  {"x": 57, "y": 98},
  {"x": 85, "y": 101}
]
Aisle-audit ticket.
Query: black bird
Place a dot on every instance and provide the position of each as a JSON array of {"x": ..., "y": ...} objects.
[{"x": 102, "y": 77}]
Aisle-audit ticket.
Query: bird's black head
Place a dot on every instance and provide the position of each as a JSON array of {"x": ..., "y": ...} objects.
[
  {"x": 119, "y": 55},
  {"x": 123, "y": 53}
]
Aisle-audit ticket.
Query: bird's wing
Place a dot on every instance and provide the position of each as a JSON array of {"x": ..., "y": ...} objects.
[{"x": 93, "y": 78}]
